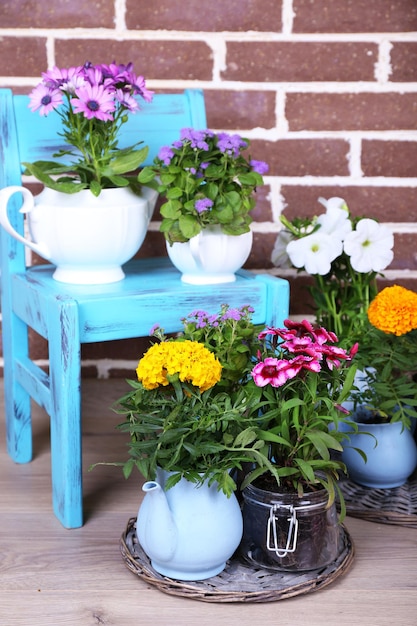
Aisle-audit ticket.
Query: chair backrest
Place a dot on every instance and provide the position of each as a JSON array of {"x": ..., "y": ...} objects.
[{"x": 26, "y": 136}]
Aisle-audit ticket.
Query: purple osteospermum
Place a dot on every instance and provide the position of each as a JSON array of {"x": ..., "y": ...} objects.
[
  {"x": 139, "y": 87},
  {"x": 259, "y": 166},
  {"x": 45, "y": 99},
  {"x": 94, "y": 101},
  {"x": 63, "y": 78},
  {"x": 204, "y": 204},
  {"x": 127, "y": 101}
]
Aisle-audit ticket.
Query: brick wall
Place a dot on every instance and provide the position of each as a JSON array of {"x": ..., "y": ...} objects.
[{"x": 326, "y": 91}]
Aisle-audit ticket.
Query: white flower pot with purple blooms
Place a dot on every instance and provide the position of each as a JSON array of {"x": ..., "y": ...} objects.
[
  {"x": 92, "y": 215},
  {"x": 209, "y": 185},
  {"x": 211, "y": 256},
  {"x": 87, "y": 238}
]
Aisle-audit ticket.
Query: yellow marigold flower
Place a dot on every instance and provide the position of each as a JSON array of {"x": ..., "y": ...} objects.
[
  {"x": 394, "y": 310},
  {"x": 191, "y": 360}
]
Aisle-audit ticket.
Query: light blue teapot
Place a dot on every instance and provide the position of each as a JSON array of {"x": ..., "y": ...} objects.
[{"x": 188, "y": 532}]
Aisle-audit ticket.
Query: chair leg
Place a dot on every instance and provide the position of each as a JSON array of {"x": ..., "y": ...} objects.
[
  {"x": 17, "y": 400},
  {"x": 66, "y": 453}
]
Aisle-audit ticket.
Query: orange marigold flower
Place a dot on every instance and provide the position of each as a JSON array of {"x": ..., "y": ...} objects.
[{"x": 394, "y": 310}]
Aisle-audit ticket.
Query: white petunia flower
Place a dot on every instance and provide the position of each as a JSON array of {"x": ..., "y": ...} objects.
[
  {"x": 334, "y": 203},
  {"x": 315, "y": 252},
  {"x": 335, "y": 222},
  {"x": 369, "y": 246}
]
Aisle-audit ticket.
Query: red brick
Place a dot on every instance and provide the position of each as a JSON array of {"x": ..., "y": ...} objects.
[
  {"x": 62, "y": 14},
  {"x": 354, "y": 16},
  {"x": 239, "y": 109},
  {"x": 303, "y": 157},
  {"x": 386, "y": 204},
  {"x": 182, "y": 60},
  {"x": 233, "y": 15},
  {"x": 301, "y": 302},
  {"x": 154, "y": 244},
  {"x": 389, "y": 158},
  {"x": 404, "y": 61},
  {"x": 278, "y": 62},
  {"x": 260, "y": 256},
  {"x": 351, "y": 111},
  {"x": 262, "y": 211},
  {"x": 26, "y": 56},
  {"x": 405, "y": 252}
]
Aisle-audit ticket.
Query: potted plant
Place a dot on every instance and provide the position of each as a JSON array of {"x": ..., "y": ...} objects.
[
  {"x": 187, "y": 431},
  {"x": 298, "y": 384},
  {"x": 344, "y": 255},
  {"x": 208, "y": 184},
  {"x": 104, "y": 211},
  {"x": 385, "y": 401}
]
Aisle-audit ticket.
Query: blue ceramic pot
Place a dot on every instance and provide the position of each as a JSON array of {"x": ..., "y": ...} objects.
[{"x": 391, "y": 455}]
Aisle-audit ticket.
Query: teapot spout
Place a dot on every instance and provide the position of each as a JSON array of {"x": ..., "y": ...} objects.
[{"x": 155, "y": 527}]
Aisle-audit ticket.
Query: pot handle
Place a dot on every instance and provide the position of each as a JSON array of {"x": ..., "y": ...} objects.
[
  {"x": 27, "y": 206},
  {"x": 195, "y": 251},
  {"x": 196, "y": 248}
]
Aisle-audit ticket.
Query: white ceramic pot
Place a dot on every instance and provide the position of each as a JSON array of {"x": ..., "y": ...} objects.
[
  {"x": 88, "y": 238},
  {"x": 188, "y": 531},
  {"x": 211, "y": 256}
]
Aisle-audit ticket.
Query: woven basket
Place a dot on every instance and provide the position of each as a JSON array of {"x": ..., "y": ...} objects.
[
  {"x": 396, "y": 506},
  {"x": 238, "y": 582}
]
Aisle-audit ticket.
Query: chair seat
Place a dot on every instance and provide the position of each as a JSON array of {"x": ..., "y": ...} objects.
[{"x": 151, "y": 293}]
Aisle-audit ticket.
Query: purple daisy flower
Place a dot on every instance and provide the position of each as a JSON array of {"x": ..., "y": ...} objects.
[
  {"x": 127, "y": 101},
  {"x": 139, "y": 87},
  {"x": 94, "y": 101},
  {"x": 44, "y": 99}
]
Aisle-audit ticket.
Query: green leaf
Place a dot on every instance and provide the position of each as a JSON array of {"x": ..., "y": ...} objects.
[
  {"x": 306, "y": 469},
  {"x": 95, "y": 188},
  {"x": 189, "y": 226},
  {"x": 128, "y": 162},
  {"x": 65, "y": 187},
  {"x": 171, "y": 210},
  {"x": 146, "y": 175},
  {"x": 118, "y": 181},
  {"x": 174, "y": 193}
]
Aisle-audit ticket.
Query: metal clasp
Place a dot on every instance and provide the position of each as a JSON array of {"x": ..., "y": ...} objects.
[{"x": 272, "y": 535}]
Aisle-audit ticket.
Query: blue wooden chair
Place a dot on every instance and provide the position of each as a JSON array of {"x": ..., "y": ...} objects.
[{"x": 69, "y": 315}]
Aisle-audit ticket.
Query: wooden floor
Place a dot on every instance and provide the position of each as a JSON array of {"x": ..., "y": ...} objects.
[{"x": 50, "y": 576}]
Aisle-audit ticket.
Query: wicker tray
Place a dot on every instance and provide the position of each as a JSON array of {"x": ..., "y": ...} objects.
[
  {"x": 387, "y": 506},
  {"x": 238, "y": 582}
]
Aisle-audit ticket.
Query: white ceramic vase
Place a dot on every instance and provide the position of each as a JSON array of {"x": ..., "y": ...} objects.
[
  {"x": 188, "y": 531},
  {"x": 211, "y": 256},
  {"x": 88, "y": 238}
]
